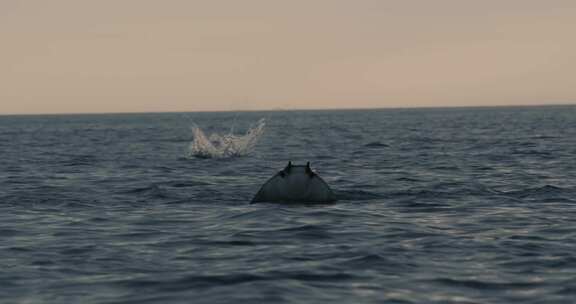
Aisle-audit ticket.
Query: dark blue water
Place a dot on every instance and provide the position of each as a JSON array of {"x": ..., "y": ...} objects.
[{"x": 436, "y": 206}]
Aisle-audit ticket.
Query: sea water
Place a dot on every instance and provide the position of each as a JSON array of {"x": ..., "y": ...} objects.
[{"x": 470, "y": 205}]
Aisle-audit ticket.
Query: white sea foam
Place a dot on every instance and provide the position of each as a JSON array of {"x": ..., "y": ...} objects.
[{"x": 225, "y": 145}]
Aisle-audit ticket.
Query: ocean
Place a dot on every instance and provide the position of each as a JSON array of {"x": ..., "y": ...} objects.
[{"x": 446, "y": 205}]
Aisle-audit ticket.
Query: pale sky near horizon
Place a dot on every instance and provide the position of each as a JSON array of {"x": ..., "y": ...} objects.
[{"x": 71, "y": 56}]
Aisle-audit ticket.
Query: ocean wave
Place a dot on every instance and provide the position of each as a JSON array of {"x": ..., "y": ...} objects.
[
  {"x": 376, "y": 144},
  {"x": 487, "y": 285},
  {"x": 357, "y": 195},
  {"x": 546, "y": 192}
]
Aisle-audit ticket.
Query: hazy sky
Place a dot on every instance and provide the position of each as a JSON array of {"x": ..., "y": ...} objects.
[{"x": 188, "y": 55}]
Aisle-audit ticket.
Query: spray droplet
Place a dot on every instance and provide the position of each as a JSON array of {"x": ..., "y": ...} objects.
[{"x": 226, "y": 145}]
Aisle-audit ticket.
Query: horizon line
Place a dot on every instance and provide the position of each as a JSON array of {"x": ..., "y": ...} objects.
[{"x": 279, "y": 109}]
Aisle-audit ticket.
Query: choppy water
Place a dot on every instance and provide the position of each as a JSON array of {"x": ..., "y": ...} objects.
[{"x": 437, "y": 206}]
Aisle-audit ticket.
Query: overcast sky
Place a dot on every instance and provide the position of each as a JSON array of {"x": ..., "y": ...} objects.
[{"x": 62, "y": 56}]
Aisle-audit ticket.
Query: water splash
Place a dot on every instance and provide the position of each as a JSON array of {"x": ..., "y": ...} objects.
[{"x": 226, "y": 145}]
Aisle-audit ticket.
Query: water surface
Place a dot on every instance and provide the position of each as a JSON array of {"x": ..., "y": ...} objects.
[{"x": 436, "y": 206}]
